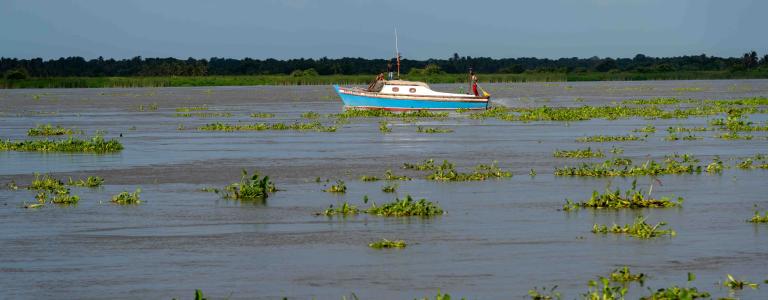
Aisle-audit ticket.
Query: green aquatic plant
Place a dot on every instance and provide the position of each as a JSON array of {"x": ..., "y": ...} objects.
[
  {"x": 90, "y": 181},
  {"x": 734, "y": 284},
  {"x": 733, "y": 135},
  {"x": 204, "y": 114},
  {"x": 616, "y": 150},
  {"x": 544, "y": 293},
  {"x": 388, "y": 175},
  {"x": 96, "y": 144},
  {"x": 604, "y": 292},
  {"x": 608, "y": 138},
  {"x": 45, "y": 182},
  {"x": 647, "y": 129},
  {"x": 126, "y": 198},
  {"x": 447, "y": 172},
  {"x": 148, "y": 107},
  {"x": 345, "y": 209},
  {"x": 406, "y": 207},
  {"x": 262, "y": 115},
  {"x": 62, "y": 196},
  {"x": 192, "y": 108},
  {"x": 420, "y": 129},
  {"x": 678, "y": 293},
  {"x": 625, "y": 275},
  {"x": 49, "y": 130},
  {"x": 390, "y": 188},
  {"x": 759, "y": 219},
  {"x": 716, "y": 166},
  {"x": 638, "y": 229},
  {"x": 339, "y": 187},
  {"x": 384, "y": 127},
  {"x": 624, "y": 167},
  {"x": 369, "y": 178},
  {"x": 578, "y": 153},
  {"x": 310, "y": 115},
  {"x": 428, "y": 164},
  {"x": 631, "y": 198},
  {"x": 312, "y": 126},
  {"x": 386, "y": 244},
  {"x": 252, "y": 187},
  {"x": 439, "y": 296}
]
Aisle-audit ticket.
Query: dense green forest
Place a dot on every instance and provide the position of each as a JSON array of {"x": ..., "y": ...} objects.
[{"x": 14, "y": 68}]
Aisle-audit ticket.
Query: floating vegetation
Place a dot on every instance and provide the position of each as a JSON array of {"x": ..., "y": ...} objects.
[
  {"x": 736, "y": 122},
  {"x": 250, "y": 188},
  {"x": 578, "y": 153},
  {"x": 126, "y": 198},
  {"x": 759, "y": 219},
  {"x": 734, "y": 284},
  {"x": 385, "y": 243},
  {"x": 149, "y": 107},
  {"x": 647, "y": 129},
  {"x": 313, "y": 126},
  {"x": 49, "y": 130},
  {"x": 734, "y": 136},
  {"x": 406, "y": 207},
  {"x": 46, "y": 182},
  {"x": 345, "y": 209},
  {"x": 685, "y": 129},
  {"x": 62, "y": 196},
  {"x": 262, "y": 115},
  {"x": 639, "y": 229},
  {"x": 616, "y": 150},
  {"x": 428, "y": 164},
  {"x": 631, "y": 198},
  {"x": 716, "y": 166},
  {"x": 625, "y": 275},
  {"x": 204, "y": 114},
  {"x": 758, "y": 161},
  {"x": 390, "y": 188},
  {"x": 384, "y": 127},
  {"x": 369, "y": 178},
  {"x": 606, "y": 292},
  {"x": 192, "y": 108},
  {"x": 420, "y": 129},
  {"x": 310, "y": 115},
  {"x": 675, "y": 137},
  {"x": 624, "y": 167},
  {"x": 544, "y": 293},
  {"x": 447, "y": 172},
  {"x": 389, "y": 176},
  {"x": 676, "y": 292},
  {"x": 608, "y": 138},
  {"x": 96, "y": 144},
  {"x": 339, "y": 187},
  {"x": 90, "y": 181}
]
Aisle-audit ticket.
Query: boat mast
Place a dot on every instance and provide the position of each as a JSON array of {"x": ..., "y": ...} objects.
[{"x": 397, "y": 55}]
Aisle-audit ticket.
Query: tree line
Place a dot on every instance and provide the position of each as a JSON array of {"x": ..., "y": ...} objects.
[{"x": 13, "y": 68}]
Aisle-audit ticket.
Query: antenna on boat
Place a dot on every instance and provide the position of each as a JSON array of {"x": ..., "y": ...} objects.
[{"x": 397, "y": 55}]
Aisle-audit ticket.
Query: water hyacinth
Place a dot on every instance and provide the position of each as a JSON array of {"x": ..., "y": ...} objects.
[
  {"x": 250, "y": 188},
  {"x": 447, "y": 172},
  {"x": 345, "y": 209},
  {"x": 312, "y": 126},
  {"x": 385, "y": 243},
  {"x": 406, "y": 207},
  {"x": 649, "y": 168},
  {"x": 127, "y": 198},
  {"x": 578, "y": 153},
  {"x": 49, "y": 130},
  {"x": 639, "y": 229},
  {"x": 96, "y": 144},
  {"x": 631, "y": 198}
]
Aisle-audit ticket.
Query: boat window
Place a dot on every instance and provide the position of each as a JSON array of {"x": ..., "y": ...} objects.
[
  {"x": 395, "y": 89},
  {"x": 412, "y": 90}
]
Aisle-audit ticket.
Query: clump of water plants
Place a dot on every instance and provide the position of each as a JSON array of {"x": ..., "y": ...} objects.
[
  {"x": 447, "y": 172},
  {"x": 428, "y": 164},
  {"x": 420, "y": 129},
  {"x": 608, "y": 138},
  {"x": 647, "y": 129},
  {"x": 624, "y": 167},
  {"x": 148, "y": 107},
  {"x": 604, "y": 292},
  {"x": 45, "y": 182},
  {"x": 339, "y": 187},
  {"x": 192, "y": 108},
  {"x": 388, "y": 175},
  {"x": 390, "y": 188},
  {"x": 310, "y": 115},
  {"x": 204, "y": 114},
  {"x": 95, "y": 145},
  {"x": 252, "y": 187},
  {"x": 312, "y": 126},
  {"x": 49, "y": 130},
  {"x": 578, "y": 153},
  {"x": 62, "y": 196},
  {"x": 344, "y": 209},
  {"x": 127, "y": 198},
  {"x": 734, "y": 284},
  {"x": 262, "y": 115},
  {"x": 384, "y": 127},
  {"x": 90, "y": 181},
  {"x": 369, "y": 178},
  {"x": 625, "y": 275},
  {"x": 733, "y": 135},
  {"x": 675, "y": 292},
  {"x": 631, "y": 198},
  {"x": 386, "y": 244},
  {"x": 638, "y": 229},
  {"x": 406, "y": 207},
  {"x": 757, "y": 218},
  {"x": 544, "y": 293},
  {"x": 716, "y": 166}
]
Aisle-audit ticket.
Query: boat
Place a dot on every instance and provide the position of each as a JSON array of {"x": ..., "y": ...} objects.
[{"x": 401, "y": 95}]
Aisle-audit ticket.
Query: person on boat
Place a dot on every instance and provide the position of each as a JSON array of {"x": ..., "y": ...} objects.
[
  {"x": 377, "y": 84},
  {"x": 474, "y": 84},
  {"x": 390, "y": 72}
]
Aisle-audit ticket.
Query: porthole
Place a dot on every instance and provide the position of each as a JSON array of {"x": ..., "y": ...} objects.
[
  {"x": 395, "y": 89},
  {"x": 412, "y": 90}
]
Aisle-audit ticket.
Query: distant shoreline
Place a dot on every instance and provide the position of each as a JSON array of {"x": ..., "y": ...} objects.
[{"x": 252, "y": 80}]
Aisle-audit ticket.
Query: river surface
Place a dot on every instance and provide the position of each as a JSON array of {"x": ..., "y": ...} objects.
[{"x": 499, "y": 238}]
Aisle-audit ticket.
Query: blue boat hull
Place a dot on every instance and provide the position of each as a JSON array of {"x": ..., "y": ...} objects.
[{"x": 389, "y": 103}]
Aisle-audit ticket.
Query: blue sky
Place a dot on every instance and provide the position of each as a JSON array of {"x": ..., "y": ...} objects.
[{"x": 364, "y": 28}]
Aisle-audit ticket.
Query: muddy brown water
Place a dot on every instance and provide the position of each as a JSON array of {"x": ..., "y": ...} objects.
[{"x": 499, "y": 238}]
